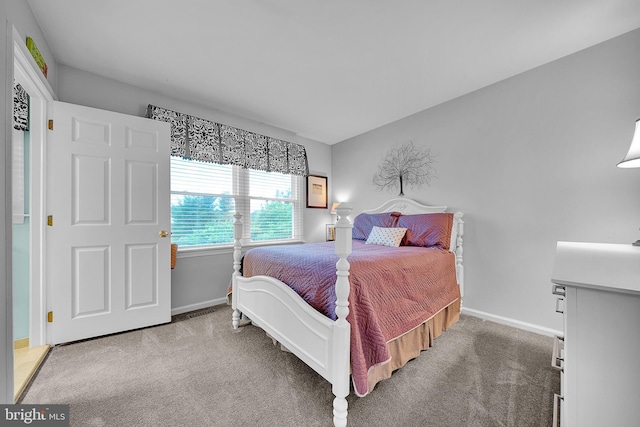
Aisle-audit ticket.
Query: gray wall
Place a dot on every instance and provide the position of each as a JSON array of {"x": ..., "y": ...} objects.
[
  {"x": 530, "y": 160},
  {"x": 200, "y": 278}
]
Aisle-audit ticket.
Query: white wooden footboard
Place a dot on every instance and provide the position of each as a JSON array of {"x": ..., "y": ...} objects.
[
  {"x": 323, "y": 344},
  {"x": 276, "y": 308}
]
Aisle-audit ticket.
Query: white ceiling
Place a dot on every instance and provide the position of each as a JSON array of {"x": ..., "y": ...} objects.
[{"x": 324, "y": 69}]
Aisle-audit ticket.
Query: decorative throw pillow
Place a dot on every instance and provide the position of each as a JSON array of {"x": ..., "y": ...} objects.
[
  {"x": 363, "y": 223},
  {"x": 386, "y": 236},
  {"x": 428, "y": 230}
]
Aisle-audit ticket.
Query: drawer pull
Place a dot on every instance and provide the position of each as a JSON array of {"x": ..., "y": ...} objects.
[
  {"x": 558, "y": 290},
  {"x": 557, "y": 409},
  {"x": 556, "y": 355},
  {"x": 558, "y": 301}
]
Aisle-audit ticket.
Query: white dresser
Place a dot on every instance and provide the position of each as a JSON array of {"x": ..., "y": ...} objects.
[{"x": 598, "y": 288}]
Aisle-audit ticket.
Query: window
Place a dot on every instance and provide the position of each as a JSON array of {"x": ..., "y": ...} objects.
[{"x": 204, "y": 197}]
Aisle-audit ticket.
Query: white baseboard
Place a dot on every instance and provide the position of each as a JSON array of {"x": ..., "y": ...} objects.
[
  {"x": 471, "y": 312},
  {"x": 512, "y": 322},
  {"x": 198, "y": 306}
]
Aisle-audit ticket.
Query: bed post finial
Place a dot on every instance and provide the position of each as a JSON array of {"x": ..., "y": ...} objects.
[
  {"x": 342, "y": 358},
  {"x": 237, "y": 255},
  {"x": 343, "y": 250}
]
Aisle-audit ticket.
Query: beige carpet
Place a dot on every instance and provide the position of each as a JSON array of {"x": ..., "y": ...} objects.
[{"x": 200, "y": 372}]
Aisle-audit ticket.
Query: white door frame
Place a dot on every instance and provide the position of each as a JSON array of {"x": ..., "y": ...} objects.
[
  {"x": 19, "y": 62},
  {"x": 27, "y": 73},
  {"x": 6, "y": 294}
]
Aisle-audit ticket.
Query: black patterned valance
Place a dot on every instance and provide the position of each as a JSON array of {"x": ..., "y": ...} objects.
[
  {"x": 20, "y": 108},
  {"x": 199, "y": 139}
]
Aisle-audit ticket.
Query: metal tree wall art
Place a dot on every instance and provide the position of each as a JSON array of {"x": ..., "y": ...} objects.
[{"x": 405, "y": 165}]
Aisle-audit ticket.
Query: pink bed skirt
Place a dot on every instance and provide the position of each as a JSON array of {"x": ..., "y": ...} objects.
[{"x": 409, "y": 345}]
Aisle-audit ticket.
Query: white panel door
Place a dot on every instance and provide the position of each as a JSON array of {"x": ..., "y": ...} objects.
[{"x": 108, "y": 250}]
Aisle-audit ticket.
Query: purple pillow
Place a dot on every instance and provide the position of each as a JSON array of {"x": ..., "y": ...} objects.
[
  {"x": 363, "y": 223},
  {"x": 427, "y": 229}
]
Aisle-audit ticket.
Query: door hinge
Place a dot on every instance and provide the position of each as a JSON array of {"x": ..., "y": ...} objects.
[
  {"x": 50, "y": 220},
  {"x": 50, "y": 125},
  {"x": 50, "y": 317}
]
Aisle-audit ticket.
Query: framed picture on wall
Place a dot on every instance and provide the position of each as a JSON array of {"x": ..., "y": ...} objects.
[{"x": 317, "y": 194}]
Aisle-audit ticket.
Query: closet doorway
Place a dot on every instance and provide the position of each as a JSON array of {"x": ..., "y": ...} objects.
[{"x": 28, "y": 216}]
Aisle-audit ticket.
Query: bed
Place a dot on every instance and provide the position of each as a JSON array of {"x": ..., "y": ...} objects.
[{"x": 404, "y": 262}]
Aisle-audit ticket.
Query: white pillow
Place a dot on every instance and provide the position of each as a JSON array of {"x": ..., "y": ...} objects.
[{"x": 386, "y": 236}]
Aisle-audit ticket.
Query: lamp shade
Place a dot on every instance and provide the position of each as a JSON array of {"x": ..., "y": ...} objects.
[{"x": 632, "y": 159}]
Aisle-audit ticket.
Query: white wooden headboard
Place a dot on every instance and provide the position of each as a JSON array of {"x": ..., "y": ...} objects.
[{"x": 406, "y": 207}]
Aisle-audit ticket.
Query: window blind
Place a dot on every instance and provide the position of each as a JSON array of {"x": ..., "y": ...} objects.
[{"x": 204, "y": 197}]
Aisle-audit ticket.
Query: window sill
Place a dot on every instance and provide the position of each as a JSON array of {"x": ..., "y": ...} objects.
[{"x": 190, "y": 252}]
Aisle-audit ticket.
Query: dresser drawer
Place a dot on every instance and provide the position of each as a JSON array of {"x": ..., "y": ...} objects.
[
  {"x": 558, "y": 403},
  {"x": 557, "y": 355},
  {"x": 559, "y": 290},
  {"x": 557, "y": 362}
]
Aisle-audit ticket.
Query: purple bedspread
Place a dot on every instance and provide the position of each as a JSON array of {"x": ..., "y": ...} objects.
[{"x": 393, "y": 290}]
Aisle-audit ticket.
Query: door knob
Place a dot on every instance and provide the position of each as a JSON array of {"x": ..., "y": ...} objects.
[{"x": 163, "y": 233}]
